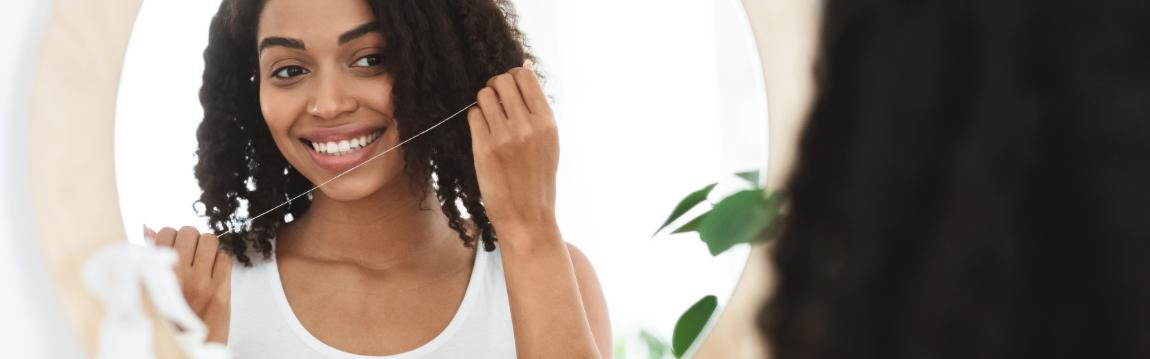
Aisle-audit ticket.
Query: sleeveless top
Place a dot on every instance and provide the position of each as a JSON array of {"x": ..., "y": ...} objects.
[{"x": 263, "y": 324}]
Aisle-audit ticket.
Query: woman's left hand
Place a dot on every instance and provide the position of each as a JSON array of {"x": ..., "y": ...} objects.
[{"x": 516, "y": 147}]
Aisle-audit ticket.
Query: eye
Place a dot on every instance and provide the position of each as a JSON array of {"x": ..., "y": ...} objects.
[
  {"x": 288, "y": 72},
  {"x": 369, "y": 61}
]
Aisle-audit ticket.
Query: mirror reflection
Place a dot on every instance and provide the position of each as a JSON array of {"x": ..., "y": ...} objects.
[{"x": 490, "y": 173}]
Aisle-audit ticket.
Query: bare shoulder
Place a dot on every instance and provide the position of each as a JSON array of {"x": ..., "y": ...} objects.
[
  {"x": 579, "y": 260},
  {"x": 584, "y": 272},
  {"x": 594, "y": 302}
]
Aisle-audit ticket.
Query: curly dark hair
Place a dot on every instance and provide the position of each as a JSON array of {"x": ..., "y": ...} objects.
[
  {"x": 439, "y": 52},
  {"x": 973, "y": 182}
]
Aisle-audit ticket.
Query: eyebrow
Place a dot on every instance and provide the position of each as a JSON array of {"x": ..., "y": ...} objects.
[
  {"x": 359, "y": 31},
  {"x": 281, "y": 41},
  {"x": 298, "y": 44}
]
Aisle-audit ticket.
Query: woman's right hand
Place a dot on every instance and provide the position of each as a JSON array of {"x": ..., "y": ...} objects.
[{"x": 204, "y": 273}]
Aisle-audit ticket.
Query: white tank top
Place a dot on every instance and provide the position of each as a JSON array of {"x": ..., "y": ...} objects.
[{"x": 263, "y": 324}]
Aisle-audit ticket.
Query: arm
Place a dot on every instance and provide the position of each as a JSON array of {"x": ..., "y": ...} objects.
[{"x": 557, "y": 306}]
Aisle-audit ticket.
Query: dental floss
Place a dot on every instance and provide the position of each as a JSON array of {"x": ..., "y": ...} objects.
[
  {"x": 530, "y": 65},
  {"x": 250, "y": 220}
]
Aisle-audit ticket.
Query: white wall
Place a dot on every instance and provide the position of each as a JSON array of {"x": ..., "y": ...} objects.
[{"x": 31, "y": 323}]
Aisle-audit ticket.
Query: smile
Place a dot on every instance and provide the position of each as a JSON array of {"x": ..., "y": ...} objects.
[
  {"x": 339, "y": 149},
  {"x": 342, "y": 147}
]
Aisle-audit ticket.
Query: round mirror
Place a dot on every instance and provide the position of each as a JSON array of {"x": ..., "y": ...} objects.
[{"x": 649, "y": 109}]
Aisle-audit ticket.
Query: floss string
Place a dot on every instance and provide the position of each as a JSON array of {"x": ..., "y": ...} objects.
[{"x": 248, "y": 222}]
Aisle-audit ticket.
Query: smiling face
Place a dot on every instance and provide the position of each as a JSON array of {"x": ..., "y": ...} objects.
[{"x": 325, "y": 95}]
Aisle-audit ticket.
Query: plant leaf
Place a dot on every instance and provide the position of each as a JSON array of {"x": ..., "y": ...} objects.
[
  {"x": 656, "y": 347},
  {"x": 751, "y": 176},
  {"x": 693, "y": 225},
  {"x": 740, "y": 218},
  {"x": 620, "y": 348},
  {"x": 691, "y": 324},
  {"x": 686, "y": 204}
]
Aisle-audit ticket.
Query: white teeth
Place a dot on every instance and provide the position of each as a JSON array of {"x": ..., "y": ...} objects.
[{"x": 342, "y": 147}]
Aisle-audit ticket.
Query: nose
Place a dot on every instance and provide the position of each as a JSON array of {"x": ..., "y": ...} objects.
[{"x": 331, "y": 99}]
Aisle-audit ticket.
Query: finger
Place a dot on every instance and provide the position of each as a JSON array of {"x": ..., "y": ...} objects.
[
  {"x": 479, "y": 127},
  {"x": 492, "y": 111},
  {"x": 205, "y": 255},
  {"x": 149, "y": 234},
  {"x": 531, "y": 90},
  {"x": 166, "y": 237},
  {"x": 186, "y": 240},
  {"x": 509, "y": 96},
  {"x": 222, "y": 269}
]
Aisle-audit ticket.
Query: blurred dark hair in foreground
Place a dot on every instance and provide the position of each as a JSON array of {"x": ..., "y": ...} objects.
[{"x": 973, "y": 182}]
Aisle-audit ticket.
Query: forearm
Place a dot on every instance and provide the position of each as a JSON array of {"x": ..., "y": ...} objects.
[{"x": 546, "y": 306}]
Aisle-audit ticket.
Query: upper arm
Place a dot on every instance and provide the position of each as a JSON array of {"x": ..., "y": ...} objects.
[{"x": 594, "y": 303}]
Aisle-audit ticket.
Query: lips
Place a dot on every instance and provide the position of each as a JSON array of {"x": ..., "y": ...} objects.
[{"x": 339, "y": 149}]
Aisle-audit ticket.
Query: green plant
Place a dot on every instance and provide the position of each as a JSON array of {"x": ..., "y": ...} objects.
[
  {"x": 745, "y": 216},
  {"x": 691, "y": 323},
  {"x": 656, "y": 347},
  {"x": 641, "y": 344}
]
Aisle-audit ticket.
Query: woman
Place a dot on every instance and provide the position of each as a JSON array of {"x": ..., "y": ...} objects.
[
  {"x": 381, "y": 261},
  {"x": 972, "y": 183}
]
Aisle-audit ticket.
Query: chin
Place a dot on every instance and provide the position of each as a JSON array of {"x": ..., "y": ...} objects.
[
  {"x": 341, "y": 194},
  {"x": 357, "y": 186}
]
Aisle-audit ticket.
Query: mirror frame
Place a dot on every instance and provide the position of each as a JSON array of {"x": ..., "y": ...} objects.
[
  {"x": 786, "y": 34},
  {"x": 74, "y": 185}
]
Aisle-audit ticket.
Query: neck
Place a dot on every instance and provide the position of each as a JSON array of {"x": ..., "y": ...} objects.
[{"x": 387, "y": 228}]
